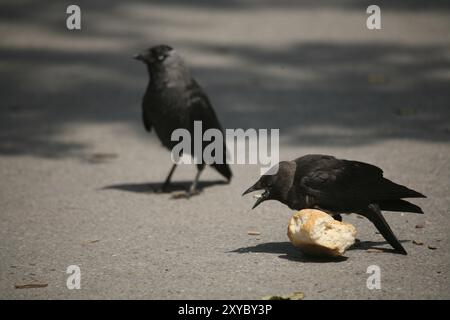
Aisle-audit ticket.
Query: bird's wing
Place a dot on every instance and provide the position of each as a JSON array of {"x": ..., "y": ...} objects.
[
  {"x": 342, "y": 183},
  {"x": 146, "y": 106},
  {"x": 200, "y": 109},
  {"x": 146, "y": 119}
]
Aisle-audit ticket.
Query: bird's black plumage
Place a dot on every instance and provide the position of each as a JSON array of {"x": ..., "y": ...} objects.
[
  {"x": 174, "y": 100},
  {"x": 338, "y": 186}
]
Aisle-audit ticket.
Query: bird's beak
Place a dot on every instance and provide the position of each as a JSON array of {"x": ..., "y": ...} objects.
[
  {"x": 257, "y": 186},
  {"x": 261, "y": 197},
  {"x": 251, "y": 189}
]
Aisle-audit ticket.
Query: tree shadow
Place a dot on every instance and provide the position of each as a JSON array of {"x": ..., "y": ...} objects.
[
  {"x": 316, "y": 91},
  {"x": 155, "y": 187}
]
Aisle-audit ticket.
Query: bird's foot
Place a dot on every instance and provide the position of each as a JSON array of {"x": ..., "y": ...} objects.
[
  {"x": 193, "y": 192},
  {"x": 185, "y": 194}
]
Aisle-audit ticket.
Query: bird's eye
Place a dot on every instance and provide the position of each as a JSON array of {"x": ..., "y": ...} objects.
[{"x": 161, "y": 58}]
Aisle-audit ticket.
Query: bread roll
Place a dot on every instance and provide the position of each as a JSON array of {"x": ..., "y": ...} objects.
[{"x": 315, "y": 232}]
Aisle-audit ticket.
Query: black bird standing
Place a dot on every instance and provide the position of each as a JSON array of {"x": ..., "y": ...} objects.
[
  {"x": 173, "y": 100},
  {"x": 338, "y": 186}
]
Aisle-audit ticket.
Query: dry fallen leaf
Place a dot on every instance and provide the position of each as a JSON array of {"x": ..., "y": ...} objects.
[
  {"x": 405, "y": 111},
  {"x": 376, "y": 78},
  {"x": 179, "y": 195},
  {"x": 293, "y": 296},
  {"x": 102, "y": 157},
  {"x": 432, "y": 247},
  {"x": 30, "y": 285},
  {"x": 183, "y": 194},
  {"x": 90, "y": 241},
  {"x": 374, "y": 250},
  {"x": 419, "y": 243},
  {"x": 419, "y": 226},
  {"x": 253, "y": 233}
]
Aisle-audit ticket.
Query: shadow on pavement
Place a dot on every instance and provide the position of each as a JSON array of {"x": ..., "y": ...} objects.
[
  {"x": 155, "y": 187},
  {"x": 366, "y": 245},
  {"x": 316, "y": 91},
  {"x": 287, "y": 251}
]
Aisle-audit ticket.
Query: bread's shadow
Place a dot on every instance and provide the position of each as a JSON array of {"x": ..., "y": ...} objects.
[{"x": 287, "y": 251}]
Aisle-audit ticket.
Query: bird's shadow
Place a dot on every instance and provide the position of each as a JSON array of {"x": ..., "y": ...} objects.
[
  {"x": 366, "y": 245},
  {"x": 287, "y": 251},
  {"x": 156, "y": 187}
]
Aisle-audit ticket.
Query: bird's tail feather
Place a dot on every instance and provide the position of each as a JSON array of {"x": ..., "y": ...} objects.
[
  {"x": 399, "y": 205},
  {"x": 373, "y": 213},
  {"x": 223, "y": 169},
  {"x": 396, "y": 191}
]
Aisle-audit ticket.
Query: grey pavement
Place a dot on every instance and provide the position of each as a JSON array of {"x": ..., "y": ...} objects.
[{"x": 77, "y": 168}]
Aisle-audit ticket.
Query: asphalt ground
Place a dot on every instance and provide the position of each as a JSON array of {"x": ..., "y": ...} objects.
[{"x": 77, "y": 168}]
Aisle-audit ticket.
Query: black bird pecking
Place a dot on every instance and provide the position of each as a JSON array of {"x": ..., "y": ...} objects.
[
  {"x": 338, "y": 186},
  {"x": 174, "y": 100}
]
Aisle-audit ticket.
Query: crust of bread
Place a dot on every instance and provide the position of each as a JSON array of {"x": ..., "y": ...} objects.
[{"x": 315, "y": 232}]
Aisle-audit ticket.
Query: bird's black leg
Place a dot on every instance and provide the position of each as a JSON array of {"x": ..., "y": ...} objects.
[
  {"x": 166, "y": 184},
  {"x": 373, "y": 213},
  {"x": 193, "y": 189}
]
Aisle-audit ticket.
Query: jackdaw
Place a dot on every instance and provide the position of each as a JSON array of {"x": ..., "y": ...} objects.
[
  {"x": 337, "y": 186},
  {"x": 173, "y": 100}
]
